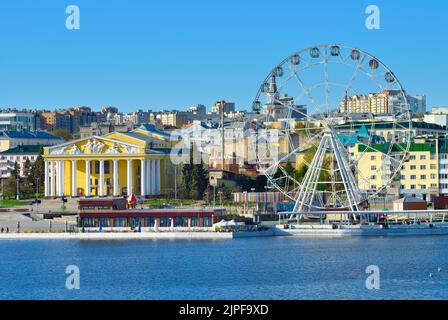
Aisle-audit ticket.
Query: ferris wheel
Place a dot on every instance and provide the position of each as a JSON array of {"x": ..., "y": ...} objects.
[{"x": 335, "y": 109}]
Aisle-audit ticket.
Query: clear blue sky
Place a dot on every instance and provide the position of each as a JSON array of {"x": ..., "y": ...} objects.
[{"x": 172, "y": 54}]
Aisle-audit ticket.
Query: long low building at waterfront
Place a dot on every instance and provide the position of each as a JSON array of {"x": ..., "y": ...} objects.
[
  {"x": 112, "y": 214},
  {"x": 119, "y": 163}
]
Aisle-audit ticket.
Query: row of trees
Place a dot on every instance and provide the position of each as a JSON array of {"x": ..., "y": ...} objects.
[
  {"x": 33, "y": 175},
  {"x": 195, "y": 178}
]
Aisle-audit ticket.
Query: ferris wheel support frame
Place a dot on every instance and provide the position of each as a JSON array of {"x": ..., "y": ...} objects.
[{"x": 306, "y": 195}]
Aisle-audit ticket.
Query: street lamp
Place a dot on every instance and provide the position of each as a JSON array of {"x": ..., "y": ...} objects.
[{"x": 17, "y": 187}]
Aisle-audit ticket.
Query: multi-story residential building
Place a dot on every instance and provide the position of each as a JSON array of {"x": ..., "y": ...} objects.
[
  {"x": 70, "y": 119},
  {"x": 11, "y": 139},
  {"x": 438, "y": 115},
  {"x": 99, "y": 129},
  {"x": 11, "y": 119},
  {"x": 199, "y": 111},
  {"x": 138, "y": 117},
  {"x": 418, "y": 177},
  {"x": 385, "y": 102},
  {"x": 174, "y": 118},
  {"x": 19, "y": 155},
  {"x": 417, "y": 103},
  {"x": 228, "y": 107}
]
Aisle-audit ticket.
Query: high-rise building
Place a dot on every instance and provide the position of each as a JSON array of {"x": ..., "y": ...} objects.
[
  {"x": 385, "y": 102},
  {"x": 11, "y": 119},
  {"x": 198, "y": 111}
]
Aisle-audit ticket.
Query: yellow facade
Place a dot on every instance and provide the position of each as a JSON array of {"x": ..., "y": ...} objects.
[
  {"x": 120, "y": 163},
  {"x": 418, "y": 175}
]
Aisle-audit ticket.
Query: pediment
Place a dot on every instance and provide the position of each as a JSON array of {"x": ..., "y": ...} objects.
[{"x": 94, "y": 145}]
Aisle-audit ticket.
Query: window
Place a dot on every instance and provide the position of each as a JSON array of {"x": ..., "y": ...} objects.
[
  {"x": 195, "y": 221},
  {"x": 373, "y": 168},
  {"x": 433, "y": 167},
  {"x": 433, "y": 176},
  {"x": 423, "y": 177},
  {"x": 106, "y": 222},
  {"x": 181, "y": 222},
  {"x": 423, "y": 167},
  {"x": 372, "y": 158},
  {"x": 412, "y": 157},
  {"x": 423, "y": 186},
  {"x": 88, "y": 222},
  {"x": 412, "y": 186},
  {"x": 165, "y": 222},
  {"x": 413, "y": 177},
  {"x": 413, "y": 167},
  {"x": 149, "y": 221},
  {"x": 422, "y": 157},
  {"x": 133, "y": 222},
  {"x": 120, "y": 222},
  {"x": 403, "y": 177},
  {"x": 207, "y": 221}
]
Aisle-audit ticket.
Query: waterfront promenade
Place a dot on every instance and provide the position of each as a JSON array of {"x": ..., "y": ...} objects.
[{"x": 134, "y": 235}]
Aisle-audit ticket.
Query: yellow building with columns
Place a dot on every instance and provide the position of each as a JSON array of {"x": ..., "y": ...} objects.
[{"x": 116, "y": 164}]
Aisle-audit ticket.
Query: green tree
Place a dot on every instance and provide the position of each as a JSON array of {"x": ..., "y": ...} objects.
[
  {"x": 9, "y": 187},
  {"x": 199, "y": 180},
  {"x": 187, "y": 175},
  {"x": 27, "y": 171},
  {"x": 37, "y": 171}
]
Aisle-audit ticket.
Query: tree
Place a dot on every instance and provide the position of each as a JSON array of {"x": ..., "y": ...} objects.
[
  {"x": 9, "y": 187},
  {"x": 63, "y": 133},
  {"x": 200, "y": 180},
  {"x": 27, "y": 171},
  {"x": 37, "y": 171},
  {"x": 187, "y": 175},
  {"x": 194, "y": 177}
]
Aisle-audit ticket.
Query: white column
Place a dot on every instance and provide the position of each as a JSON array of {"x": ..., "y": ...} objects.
[
  {"x": 47, "y": 182},
  {"x": 60, "y": 178},
  {"x": 74, "y": 189},
  {"x": 153, "y": 177},
  {"x": 143, "y": 177},
  {"x": 101, "y": 178},
  {"x": 148, "y": 176},
  {"x": 115, "y": 177},
  {"x": 52, "y": 179},
  {"x": 129, "y": 176},
  {"x": 87, "y": 178},
  {"x": 57, "y": 179},
  {"x": 158, "y": 177}
]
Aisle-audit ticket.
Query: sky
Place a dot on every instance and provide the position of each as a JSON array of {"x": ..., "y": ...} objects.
[{"x": 166, "y": 54}]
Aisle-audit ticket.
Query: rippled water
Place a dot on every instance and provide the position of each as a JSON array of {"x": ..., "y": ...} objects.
[{"x": 258, "y": 268}]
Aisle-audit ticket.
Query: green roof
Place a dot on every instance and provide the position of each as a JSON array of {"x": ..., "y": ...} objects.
[
  {"x": 25, "y": 149},
  {"x": 397, "y": 147}
]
